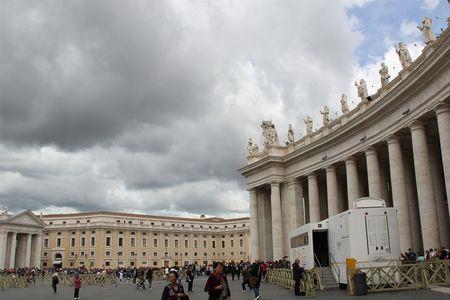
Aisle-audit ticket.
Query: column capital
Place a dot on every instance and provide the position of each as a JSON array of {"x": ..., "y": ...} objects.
[
  {"x": 330, "y": 168},
  {"x": 416, "y": 125},
  {"x": 349, "y": 160},
  {"x": 371, "y": 150},
  {"x": 251, "y": 190},
  {"x": 291, "y": 181},
  {"x": 392, "y": 139},
  {"x": 312, "y": 175},
  {"x": 274, "y": 184},
  {"x": 442, "y": 107}
]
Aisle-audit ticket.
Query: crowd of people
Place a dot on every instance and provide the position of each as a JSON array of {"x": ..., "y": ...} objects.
[{"x": 411, "y": 256}]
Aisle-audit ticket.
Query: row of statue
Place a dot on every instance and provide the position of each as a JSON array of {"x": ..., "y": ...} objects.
[{"x": 268, "y": 128}]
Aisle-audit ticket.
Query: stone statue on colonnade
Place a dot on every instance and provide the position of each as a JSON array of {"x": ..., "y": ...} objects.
[
  {"x": 403, "y": 55},
  {"x": 428, "y": 35},
  {"x": 309, "y": 125},
  {"x": 290, "y": 134},
  {"x": 384, "y": 74},
  {"x": 326, "y": 115},
  {"x": 362, "y": 89},
  {"x": 252, "y": 148},
  {"x": 344, "y": 104},
  {"x": 270, "y": 134}
]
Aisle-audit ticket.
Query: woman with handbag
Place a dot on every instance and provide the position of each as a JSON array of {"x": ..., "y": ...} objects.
[
  {"x": 174, "y": 290},
  {"x": 217, "y": 284}
]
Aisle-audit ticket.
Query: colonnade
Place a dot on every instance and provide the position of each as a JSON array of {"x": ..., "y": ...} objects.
[
  {"x": 415, "y": 177},
  {"x": 20, "y": 249}
]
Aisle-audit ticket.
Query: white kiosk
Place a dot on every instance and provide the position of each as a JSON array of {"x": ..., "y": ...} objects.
[{"x": 368, "y": 233}]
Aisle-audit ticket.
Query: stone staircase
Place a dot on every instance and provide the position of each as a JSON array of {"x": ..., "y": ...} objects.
[{"x": 328, "y": 280}]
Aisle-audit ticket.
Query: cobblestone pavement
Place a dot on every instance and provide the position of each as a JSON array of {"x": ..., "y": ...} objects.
[{"x": 126, "y": 291}]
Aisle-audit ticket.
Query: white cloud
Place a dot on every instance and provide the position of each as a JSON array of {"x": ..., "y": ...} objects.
[
  {"x": 430, "y": 4},
  {"x": 408, "y": 29}
]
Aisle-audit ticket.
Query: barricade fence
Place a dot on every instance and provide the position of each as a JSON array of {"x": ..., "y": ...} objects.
[
  {"x": 403, "y": 276},
  {"x": 12, "y": 281},
  {"x": 310, "y": 282}
]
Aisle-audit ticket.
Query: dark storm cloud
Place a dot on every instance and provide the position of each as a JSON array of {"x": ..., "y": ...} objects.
[{"x": 148, "y": 105}]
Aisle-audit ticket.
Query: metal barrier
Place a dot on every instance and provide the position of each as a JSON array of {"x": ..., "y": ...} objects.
[
  {"x": 403, "y": 276},
  {"x": 86, "y": 279},
  {"x": 310, "y": 282}
]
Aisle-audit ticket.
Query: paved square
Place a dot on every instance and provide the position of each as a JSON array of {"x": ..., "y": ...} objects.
[{"x": 128, "y": 291}]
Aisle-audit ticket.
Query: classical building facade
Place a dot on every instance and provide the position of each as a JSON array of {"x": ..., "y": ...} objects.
[
  {"x": 20, "y": 240},
  {"x": 112, "y": 239},
  {"x": 394, "y": 145}
]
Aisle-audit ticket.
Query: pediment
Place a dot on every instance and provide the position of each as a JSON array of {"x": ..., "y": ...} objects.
[{"x": 25, "y": 218}]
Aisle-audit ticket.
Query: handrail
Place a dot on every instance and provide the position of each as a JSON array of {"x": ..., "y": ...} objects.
[
  {"x": 335, "y": 267},
  {"x": 319, "y": 264}
]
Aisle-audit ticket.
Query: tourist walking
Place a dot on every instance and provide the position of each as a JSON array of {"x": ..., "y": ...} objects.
[
  {"x": 76, "y": 286},
  {"x": 297, "y": 273},
  {"x": 173, "y": 290},
  {"x": 217, "y": 284},
  {"x": 55, "y": 281},
  {"x": 190, "y": 275},
  {"x": 149, "y": 277},
  {"x": 245, "y": 278},
  {"x": 255, "y": 278}
]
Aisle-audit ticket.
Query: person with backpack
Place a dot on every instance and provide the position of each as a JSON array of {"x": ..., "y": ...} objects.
[
  {"x": 55, "y": 281},
  {"x": 255, "y": 278},
  {"x": 149, "y": 277}
]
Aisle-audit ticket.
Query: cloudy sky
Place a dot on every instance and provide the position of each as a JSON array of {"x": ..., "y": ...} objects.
[{"x": 146, "y": 106}]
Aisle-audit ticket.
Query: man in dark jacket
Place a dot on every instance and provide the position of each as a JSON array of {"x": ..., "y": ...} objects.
[
  {"x": 190, "y": 275},
  {"x": 297, "y": 272}
]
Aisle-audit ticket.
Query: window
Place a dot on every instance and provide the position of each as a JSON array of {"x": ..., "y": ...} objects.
[
  {"x": 241, "y": 243},
  {"x": 107, "y": 263},
  {"x": 92, "y": 253},
  {"x": 205, "y": 244},
  {"x": 155, "y": 254},
  {"x": 132, "y": 253},
  {"x": 58, "y": 242},
  {"x": 155, "y": 243},
  {"x": 120, "y": 253},
  {"x": 121, "y": 242},
  {"x": 214, "y": 244},
  {"x": 108, "y": 241},
  {"x": 45, "y": 243},
  {"x": 45, "y": 254},
  {"x": 133, "y": 242},
  {"x": 83, "y": 242},
  {"x": 144, "y": 243},
  {"x": 195, "y": 244},
  {"x": 144, "y": 254},
  {"x": 223, "y": 244},
  {"x": 108, "y": 253},
  {"x": 232, "y": 243},
  {"x": 232, "y": 253},
  {"x": 186, "y": 244},
  {"x": 72, "y": 253},
  {"x": 166, "y": 243},
  {"x": 82, "y": 254},
  {"x": 92, "y": 241},
  {"x": 176, "y": 243}
]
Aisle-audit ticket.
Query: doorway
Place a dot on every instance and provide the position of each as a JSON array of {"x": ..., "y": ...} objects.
[{"x": 320, "y": 248}]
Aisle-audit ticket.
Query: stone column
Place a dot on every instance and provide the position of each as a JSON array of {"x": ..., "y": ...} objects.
[
  {"x": 37, "y": 251},
  {"x": 314, "y": 204},
  {"x": 254, "y": 230},
  {"x": 332, "y": 191},
  {"x": 353, "y": 191},
  {"x": 12, "y": 251},
  {"x": 3, "y": 242},
  {"x": 28, "y": 251},
  {"x": 277, "y": 230},
  {"x": 439, "y": 193},
  {"x": 399, "y": 193},
  {"x": 424, "y": 183},
  {"x": 373, "y": 173},
  {"x": 443, "y": 120}
]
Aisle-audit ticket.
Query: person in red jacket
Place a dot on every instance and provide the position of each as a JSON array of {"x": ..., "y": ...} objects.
[
  {"x": 217, "y": 284},
  {"x": 77, "y": 286}
]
